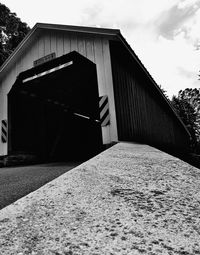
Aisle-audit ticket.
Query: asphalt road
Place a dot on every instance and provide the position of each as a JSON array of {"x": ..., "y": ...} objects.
[{"x": 16, "y": 182}]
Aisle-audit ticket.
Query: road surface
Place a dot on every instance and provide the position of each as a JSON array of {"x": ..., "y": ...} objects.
[{"x": 16, "y": 182}]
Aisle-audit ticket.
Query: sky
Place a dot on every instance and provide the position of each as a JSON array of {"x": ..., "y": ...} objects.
[{"x": 165, "y": 34}]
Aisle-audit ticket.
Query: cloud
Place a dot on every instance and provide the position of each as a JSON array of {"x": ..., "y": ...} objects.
[
  {"x": 125, "y": 13},
  {"x": 171, "y": 22},
  {"x": 173, "y": 63}
]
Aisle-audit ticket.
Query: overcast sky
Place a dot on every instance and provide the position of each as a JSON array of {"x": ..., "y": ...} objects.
[{"x": 165, "y": 34}]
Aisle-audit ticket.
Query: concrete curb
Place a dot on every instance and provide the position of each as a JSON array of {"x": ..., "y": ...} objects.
[{"x": 130, "y": 199}]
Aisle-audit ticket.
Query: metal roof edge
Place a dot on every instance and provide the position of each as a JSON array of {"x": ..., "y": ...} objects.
[
  {"x": 125, "y": 43},
  {"x": 83, "y": 29}
]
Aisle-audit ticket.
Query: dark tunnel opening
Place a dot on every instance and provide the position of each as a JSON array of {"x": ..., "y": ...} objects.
[{"x": 55, "y": 115}]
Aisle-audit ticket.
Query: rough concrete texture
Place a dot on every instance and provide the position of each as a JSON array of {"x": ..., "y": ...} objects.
[{"x": 130, "y": 199}]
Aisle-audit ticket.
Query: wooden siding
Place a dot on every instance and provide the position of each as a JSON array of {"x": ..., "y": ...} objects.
[
  {"x": 94, "y": 47},
  {"x": 142, "y": 114}
]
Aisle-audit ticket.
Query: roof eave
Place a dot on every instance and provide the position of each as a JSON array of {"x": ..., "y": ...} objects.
[{"x": 79, "y": 29}]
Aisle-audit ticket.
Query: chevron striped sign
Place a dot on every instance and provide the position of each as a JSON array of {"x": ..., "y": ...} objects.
[
  {"x": 104, "y": 111},
  {"x": 4, "y": 131}
]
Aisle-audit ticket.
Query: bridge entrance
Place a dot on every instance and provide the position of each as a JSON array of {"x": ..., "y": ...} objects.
[{"x": 53, "y": 110}]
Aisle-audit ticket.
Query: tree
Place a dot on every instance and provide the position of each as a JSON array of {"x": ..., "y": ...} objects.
[
  {"x": 192, "y": 96},
  {"x": 186, "y": 104},
  {"x": 12, "y": 31},
  {"x": 163, "y": 91}
]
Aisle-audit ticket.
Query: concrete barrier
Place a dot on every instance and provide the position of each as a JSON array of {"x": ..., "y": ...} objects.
[{"x": 130, "y": 199}]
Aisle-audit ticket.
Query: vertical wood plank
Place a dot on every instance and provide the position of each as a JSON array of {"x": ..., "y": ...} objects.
[
  {"x": 73, "y": 42},
  {"x": 19, "y": 66},
  {"x": 34, "y": 54},
  {"x": 59, "y": 44},
  {"x": 47, "y": 43},
  {"x": 27, "y": 58},
  {"x": 90, "y": 49},
  {"x": 98, "y": 51},
  {"x": 41, "y": 49},
  {"x": 67, "y": 46},
  {"x": 53, "y": 47},
  {"x": 81, "y": 45}
]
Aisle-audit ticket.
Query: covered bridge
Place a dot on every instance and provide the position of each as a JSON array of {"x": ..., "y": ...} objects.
[{"x": 66, "y": 90}]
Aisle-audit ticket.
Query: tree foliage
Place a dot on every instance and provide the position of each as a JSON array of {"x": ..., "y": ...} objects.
[
  {"x": 187, "y": 106},
  {"x": 192, "y": 96},
  {"x": 163, "y": 91},
  {"x": 12, "y": 31},
  {"x": 187, "y": 114}
]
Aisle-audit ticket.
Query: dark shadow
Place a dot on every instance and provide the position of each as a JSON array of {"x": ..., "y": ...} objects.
[{"x": 55, "y": 116}]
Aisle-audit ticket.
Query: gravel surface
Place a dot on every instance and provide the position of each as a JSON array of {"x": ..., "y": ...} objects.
[
  {"x": 130, "y": 199},
  {"x": 16, "y": 182}
]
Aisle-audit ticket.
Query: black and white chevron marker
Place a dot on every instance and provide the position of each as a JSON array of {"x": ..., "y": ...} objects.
[
  {"x": 104, "y": 111},
  {"x": 4, "y": 128}
]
